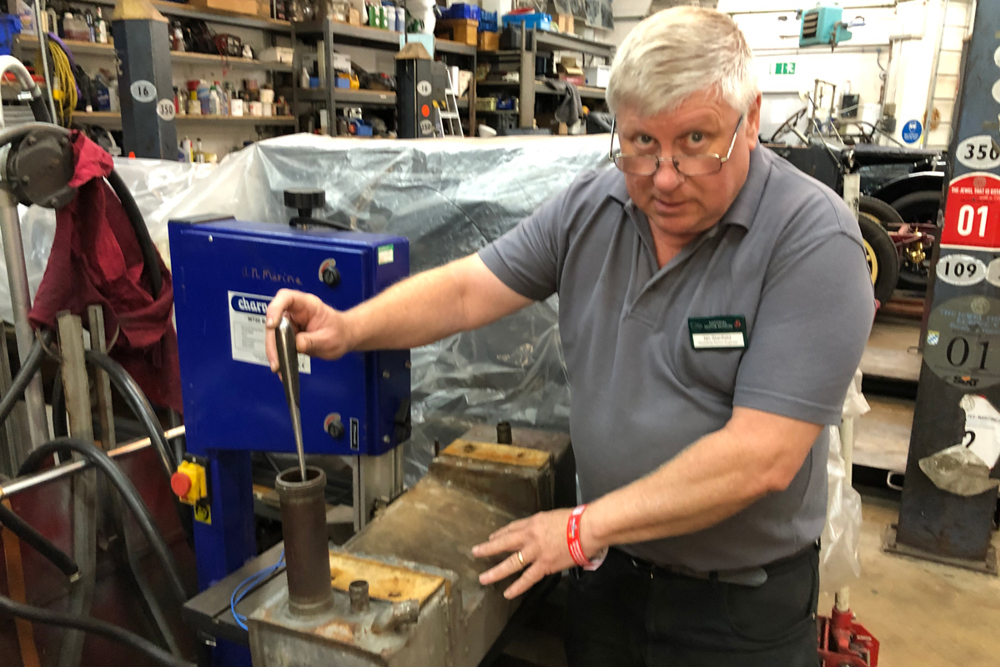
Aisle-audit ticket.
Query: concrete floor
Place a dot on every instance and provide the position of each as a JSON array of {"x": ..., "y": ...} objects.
[{"x": 923, "y": 613}]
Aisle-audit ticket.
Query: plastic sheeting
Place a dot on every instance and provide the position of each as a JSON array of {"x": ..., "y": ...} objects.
[
  {"x": 839, "y": 562},
  {"x": 448, "y": 197}
]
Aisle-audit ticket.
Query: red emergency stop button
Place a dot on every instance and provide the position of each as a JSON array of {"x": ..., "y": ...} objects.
[
  {"x": 180, "y": 483},
  {"x": 425, "y": 110}
]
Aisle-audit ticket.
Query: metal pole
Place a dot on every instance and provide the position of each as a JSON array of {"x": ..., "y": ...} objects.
[
  {"x": 43, "y": 47},
  {"x": 27, "y": 482},
  {"x": 20, "y": 302},
  {"x": 932, "y": 90}
]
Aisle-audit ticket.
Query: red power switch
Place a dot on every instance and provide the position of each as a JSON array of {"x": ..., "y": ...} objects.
[{"x": 180, "y": 482}]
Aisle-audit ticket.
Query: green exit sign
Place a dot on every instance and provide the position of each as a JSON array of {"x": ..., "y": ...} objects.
[{"x": 783, "y": 68}]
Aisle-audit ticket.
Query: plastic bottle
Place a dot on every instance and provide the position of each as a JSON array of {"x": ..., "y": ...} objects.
[
  {"x": 194, "y": 104},
  {"x": 202, "y": 92},
  {"x": 101, "y": 28},
  {"x": 88, "y": 17},
  {"x": 390, "y": 16},
  {"x": 187, "y": 150},
  {"x": 113, "y": 95},
  {"x": 214, "y": 102},
  {"x": 103, "y": 94},
  {"x": 199, "y": 154}
]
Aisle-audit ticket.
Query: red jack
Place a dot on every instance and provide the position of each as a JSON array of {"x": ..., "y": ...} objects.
[{"x": 844, "y": 643}]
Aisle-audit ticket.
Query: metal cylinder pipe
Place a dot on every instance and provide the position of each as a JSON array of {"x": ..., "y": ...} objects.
[
  {"x": 307, "y": 553},
  {"x": 357, "y": 591},
  {"x": 20, "y": 302}
]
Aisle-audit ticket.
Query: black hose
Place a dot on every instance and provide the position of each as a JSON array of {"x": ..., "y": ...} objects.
[
  {"x": 112, "y": 632},
  {"x": 29, "y": 366},
  {"x": 149, "y": 255},
  {"x": 128, "y": 492},
  {"x": 39, "y": 542},
  {"x": 140, "y": 406},
  {"x": 39, "y": 109}
]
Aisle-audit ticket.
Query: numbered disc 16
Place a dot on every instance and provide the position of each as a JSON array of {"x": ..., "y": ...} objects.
[{"x": 963, "y": 342}]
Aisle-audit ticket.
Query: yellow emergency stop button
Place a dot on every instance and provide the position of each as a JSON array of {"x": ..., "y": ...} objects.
[{"x": 189, "y": 482}]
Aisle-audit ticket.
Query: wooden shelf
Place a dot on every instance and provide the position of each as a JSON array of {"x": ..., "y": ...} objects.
[
  {"x": 585, "y": 91},
  {"x": 184, "y": 10},
  {"x": 226, "y": 63},
  {"x": 30, "y": 42},
  {"x": 359, "y": 35},
  {"x": 456, "y": 48},
  {"x": 115, "y": 118},
  {"x": 346, "y": 96},
  {"x": 179, "y": 57}
]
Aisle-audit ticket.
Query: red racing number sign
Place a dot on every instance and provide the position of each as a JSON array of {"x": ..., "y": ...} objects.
[{"x": 972, "y": 213}]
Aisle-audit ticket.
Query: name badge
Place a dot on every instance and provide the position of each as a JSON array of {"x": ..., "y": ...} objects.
[{"x": 722, "y": 332}]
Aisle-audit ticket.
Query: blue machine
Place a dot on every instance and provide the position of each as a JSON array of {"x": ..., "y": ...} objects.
[
  {"x": 225, "y": 274},
  {"x": 823, "y": 26}
]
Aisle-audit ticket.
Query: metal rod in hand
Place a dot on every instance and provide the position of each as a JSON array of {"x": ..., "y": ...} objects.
[{"x": 288, "y": 366}]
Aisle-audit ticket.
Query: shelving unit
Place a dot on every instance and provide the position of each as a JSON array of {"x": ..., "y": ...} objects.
[
  {"x": 334, "y": 33},
  {"x": 113, "y": 120},
  {"x": 30, "y": 43},
  {"x": 540, "y": 41}
]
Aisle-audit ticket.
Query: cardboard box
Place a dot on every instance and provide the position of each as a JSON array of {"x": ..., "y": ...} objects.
[
  {"x": 277, "y": 54},
  {"x": 354, "y": 16},
  {"x": 463, "y": 31},
  {"x": 597, "y": 76},
  {"x": 489, "y": 41},
  {"x": 245, "y": 7},
  {"x": 565, "y": 23},
  {"x": 569, "y": 71},
  {"x": 264, "y": 9}
]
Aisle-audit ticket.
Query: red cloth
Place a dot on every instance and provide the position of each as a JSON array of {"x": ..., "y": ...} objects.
[{"x": 96, "y": 259}]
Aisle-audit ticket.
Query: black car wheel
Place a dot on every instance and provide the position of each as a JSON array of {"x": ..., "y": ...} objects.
[{"x": 880, "y": 251}]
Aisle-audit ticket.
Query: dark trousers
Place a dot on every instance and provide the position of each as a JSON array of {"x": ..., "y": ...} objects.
[{"x": 629, "y": 614}]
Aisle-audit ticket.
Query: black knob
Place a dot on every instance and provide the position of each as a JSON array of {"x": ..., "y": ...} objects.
[
  {"x": 504, "y": 434},
  {"x": 336, "y": 429},
  {"x": 331, "y": 276},
  {"x": 304, "y": 200}
]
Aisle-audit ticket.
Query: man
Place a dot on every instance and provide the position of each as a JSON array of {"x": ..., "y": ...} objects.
[{"x": 713, "y": 304}]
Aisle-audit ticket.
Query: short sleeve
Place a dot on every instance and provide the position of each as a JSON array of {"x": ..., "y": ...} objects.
[
  {"x": 809, "y": 333},
  {"x": 529, "y": 257}
]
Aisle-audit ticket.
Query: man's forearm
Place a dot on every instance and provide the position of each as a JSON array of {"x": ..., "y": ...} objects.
[
  {"x": 458, "y": 296},
  {"x": 711, "y": 480},
  {"x": 414, "y": 312}
]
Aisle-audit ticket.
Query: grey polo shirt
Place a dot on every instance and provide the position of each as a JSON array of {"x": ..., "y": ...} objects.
[{"x": 787, "y": 256}]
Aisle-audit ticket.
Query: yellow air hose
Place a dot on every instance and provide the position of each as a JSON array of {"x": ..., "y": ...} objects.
[{"x": 63, "y": 84}]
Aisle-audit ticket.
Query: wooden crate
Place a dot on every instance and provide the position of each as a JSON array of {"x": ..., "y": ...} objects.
[{"x": 463, "y": 31}]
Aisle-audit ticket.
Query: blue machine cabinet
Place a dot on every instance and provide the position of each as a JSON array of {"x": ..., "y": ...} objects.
[{"x": 225, "y": 274}]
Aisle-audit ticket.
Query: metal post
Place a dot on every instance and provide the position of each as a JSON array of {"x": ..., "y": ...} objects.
[
  {"x": 144, "y": 80},
  {"x": 43, "y": 46},
  {"x": 99, "y": 342},
  {"x": 842, "y": 599},
  {"x": 20, "y": 303},
  {"x": 77, "y": 388},
  {"x": 375, "y": 479},
  {"x": 936, "y": 522}
]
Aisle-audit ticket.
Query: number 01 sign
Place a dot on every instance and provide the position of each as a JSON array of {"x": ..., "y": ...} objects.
[{"x": 972, "y": 213}]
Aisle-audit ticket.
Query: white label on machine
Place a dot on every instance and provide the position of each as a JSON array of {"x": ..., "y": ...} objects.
[
  {"x": 385, "y": 254},
  {"x": 982, "y": 428},
  {"x": 979, "y": 152},
  {"x": 143, "y": 91},
  {"x": 424, "y": 88},
  {"x": 247, "y": 314}
]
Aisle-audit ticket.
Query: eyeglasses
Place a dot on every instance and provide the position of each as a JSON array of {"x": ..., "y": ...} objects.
[{"x": 686, "y": 165}]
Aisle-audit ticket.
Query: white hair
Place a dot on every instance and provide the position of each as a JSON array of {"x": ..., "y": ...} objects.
[{"x": 677, "y": 52}]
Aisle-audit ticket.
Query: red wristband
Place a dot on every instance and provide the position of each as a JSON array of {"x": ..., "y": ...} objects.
[{"x": 573, "y": 538}]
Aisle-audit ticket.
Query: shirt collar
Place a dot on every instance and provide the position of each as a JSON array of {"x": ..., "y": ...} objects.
[{"x": 743, "y": 209}]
